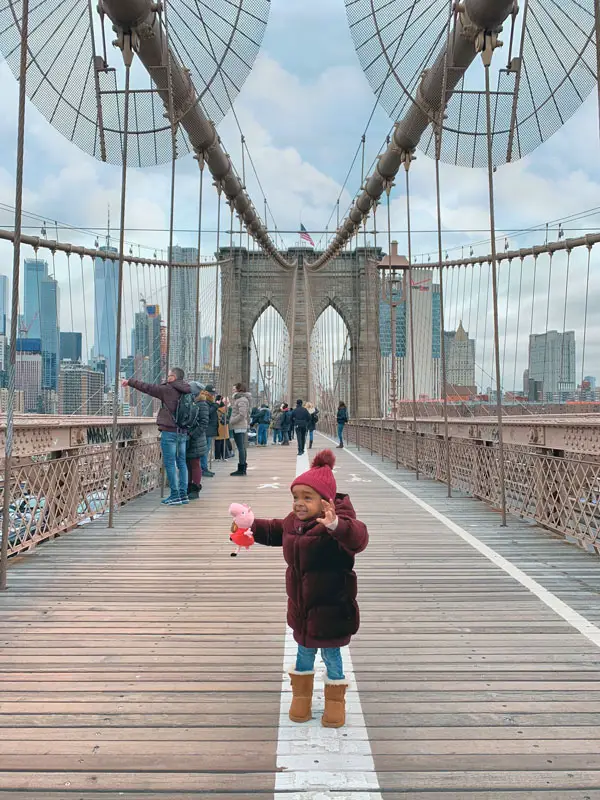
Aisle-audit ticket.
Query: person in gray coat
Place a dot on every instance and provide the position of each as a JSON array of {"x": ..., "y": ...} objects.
[
  {"x": 238, "y": 423},
  {"x": 197, "y": 446}
]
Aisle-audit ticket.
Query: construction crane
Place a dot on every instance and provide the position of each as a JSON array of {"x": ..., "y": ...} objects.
[{"x": 24, "y": 329}]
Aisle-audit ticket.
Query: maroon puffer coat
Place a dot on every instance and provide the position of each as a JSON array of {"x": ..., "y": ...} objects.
[{"x": 320, "y": 579}]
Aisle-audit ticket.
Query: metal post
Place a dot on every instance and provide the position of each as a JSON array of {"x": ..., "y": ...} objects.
[
  {"x": 128, "y": 58},
  {"x": 486, "y": 54},
  {"x": 10, "y": 407}
]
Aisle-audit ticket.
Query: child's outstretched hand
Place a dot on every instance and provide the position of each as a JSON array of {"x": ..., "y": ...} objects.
[{"x": 329, "y": 515}]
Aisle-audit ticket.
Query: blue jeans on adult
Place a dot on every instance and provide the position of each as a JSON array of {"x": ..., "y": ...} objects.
[
  {"x": 332, "y": 656},
  {"x": 173, "y": 447},
  {"x": 341, "y": 431},
  {"x": 311, "y": 436},
  {"x": 263, "y": 429},
  {"x": 204, "y": 458},
  {"x": 277, "y": 435}
]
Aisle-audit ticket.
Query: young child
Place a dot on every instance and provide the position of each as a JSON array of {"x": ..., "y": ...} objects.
[{"x": 320, "y": 539}]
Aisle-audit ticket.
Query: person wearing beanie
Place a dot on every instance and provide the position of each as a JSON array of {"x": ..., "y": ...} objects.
[{"x": 320, "y": 538}]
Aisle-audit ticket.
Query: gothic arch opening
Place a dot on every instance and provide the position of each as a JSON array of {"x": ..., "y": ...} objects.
[
  {"x": 331, "y": 365},
  {"x": 269, "y": 348}
]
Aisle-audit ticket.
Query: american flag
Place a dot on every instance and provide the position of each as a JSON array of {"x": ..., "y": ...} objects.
[{"x": 304, "y": 234}]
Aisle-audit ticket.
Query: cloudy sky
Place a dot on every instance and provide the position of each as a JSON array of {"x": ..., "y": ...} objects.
[{"x": 303, "y": 110}]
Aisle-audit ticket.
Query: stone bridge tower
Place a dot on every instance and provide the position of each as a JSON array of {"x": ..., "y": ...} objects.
[{"x": 349, "y": 283}]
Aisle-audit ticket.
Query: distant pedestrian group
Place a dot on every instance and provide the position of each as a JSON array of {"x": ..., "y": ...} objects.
[{"x": 193, "y": 416}]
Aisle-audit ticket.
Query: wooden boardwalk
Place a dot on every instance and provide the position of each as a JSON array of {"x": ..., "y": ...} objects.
[{"x": 144, "y": 662}]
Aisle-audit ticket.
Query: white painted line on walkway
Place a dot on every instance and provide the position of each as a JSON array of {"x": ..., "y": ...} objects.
[
  {"x": 317, "y": 763},
  {"x": 574, "y": 618}
]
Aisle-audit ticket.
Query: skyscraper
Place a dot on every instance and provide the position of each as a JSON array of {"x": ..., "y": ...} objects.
[
  {"x": 146, "y": 354},
  {"x": 105, "y": 310},
  {"x": 206, "y": 350},
  {"x": 28, "y": 372},
  {"x": 460, "y": 361},
  {"x": 70, "y": 346},
  {"x": 36, "y": 272},
  {"x": 426, "y": 329},
  {"x": 50, "y": 323},
  {"x": 4, "y": 305},
  {"x": 42, "y": 317},
  {"x": 183, "y": 310},
  {"x": 81, "y": 389},
  {"x": 551, "y": 365}
]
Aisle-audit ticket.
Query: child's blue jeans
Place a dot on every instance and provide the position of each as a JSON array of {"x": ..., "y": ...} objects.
[{"x": 332, "y": 656}]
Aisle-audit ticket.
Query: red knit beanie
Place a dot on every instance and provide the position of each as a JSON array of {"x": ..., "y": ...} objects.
[{"x": 320, "y": 476}]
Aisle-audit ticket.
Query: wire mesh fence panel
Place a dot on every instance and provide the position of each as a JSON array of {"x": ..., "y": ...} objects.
[{"x": 53, "y": 495}]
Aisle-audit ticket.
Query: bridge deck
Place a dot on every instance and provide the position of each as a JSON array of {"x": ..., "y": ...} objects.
[{"x": 145, "y": 662}]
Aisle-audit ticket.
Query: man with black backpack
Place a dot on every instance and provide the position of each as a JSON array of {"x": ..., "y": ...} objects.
[{"x": 177, "y": 415}]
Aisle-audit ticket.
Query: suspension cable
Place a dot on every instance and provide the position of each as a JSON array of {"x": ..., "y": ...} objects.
[
  {"x": 127, "y": 57},
  {"x": 487, "y": 52},
  {"x": 197, "y": 326},
  {"x": 407, "y": 164}
]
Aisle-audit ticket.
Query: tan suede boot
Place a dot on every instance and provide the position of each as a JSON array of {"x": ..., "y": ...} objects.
[
  {"x": 302, "y": 690},
  {"x": 334, "y": 715}
]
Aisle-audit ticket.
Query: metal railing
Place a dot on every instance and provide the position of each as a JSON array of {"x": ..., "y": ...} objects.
[
  {"x": 556, "y": 489},
  {"x": 55, "y": 490}
]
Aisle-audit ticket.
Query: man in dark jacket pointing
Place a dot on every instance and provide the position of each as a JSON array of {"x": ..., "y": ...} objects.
[{"x": 173, "y": 440}]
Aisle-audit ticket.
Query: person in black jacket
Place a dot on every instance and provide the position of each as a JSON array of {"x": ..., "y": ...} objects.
[
  {"x": 213, "y": 427},
  {"x": 286, "y": 415},
  {"x": 342, "y": 419},
  {"x": 197, "y": 446},
  {"x": 300, "y": 420}
]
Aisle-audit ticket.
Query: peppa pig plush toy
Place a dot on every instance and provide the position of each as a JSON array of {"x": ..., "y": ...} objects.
[{"x": 241, "y": 535}]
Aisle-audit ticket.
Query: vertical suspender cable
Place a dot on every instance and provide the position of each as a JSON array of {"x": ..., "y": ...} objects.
[
  {"x": 564, "y": 329},
  {"x": 585, "y": 313},
  {"x": 172, "y": 209},
  {"x": 382, "y": 403},
  {"x": 368, "y": 307},
  {"x": 439, "y": 126},
  {"x": 442, "y": 342},
  {"x": 217, "y": 275},
  {"x": 14, "y": 320},
  {"x": 391, "y": 283},
  {"x": 518, "y": 327},
  {"x": 240, "y": 376},
  {"x": 173, "y": 171},
  {"x": 487, "y": 52},
  {"x": 243, "y": 143},
  {"x": 128, "y": 58},
  {"x": 546, "y": 336},
  {"x": 407, "y": 163},
  {"x": 597, "y": 31},
  {"x": 197, "y": 331}
]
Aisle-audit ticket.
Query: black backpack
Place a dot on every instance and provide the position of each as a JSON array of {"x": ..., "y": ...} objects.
[{"x": 186, "y": 415}]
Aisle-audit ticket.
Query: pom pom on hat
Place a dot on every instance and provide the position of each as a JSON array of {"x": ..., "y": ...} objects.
[
  {"x": 320, "y": 476},
  {"x": 325, "y": 458}
]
